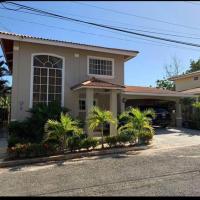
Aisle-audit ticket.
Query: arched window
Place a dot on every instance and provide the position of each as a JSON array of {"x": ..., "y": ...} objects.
[{"x": 47, "y": 79}]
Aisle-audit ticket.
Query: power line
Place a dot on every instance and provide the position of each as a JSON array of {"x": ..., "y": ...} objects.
[
  {"x": 103, "y": 26},
  {"x": 101, "y": 35},
  {"x": 138, "y": 16},
  {"x": 137, "y": 26},
  {"x": 145, "y": 31}
]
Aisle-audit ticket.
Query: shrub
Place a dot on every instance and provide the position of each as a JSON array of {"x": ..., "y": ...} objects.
[
  {"x": 32, "y": 128},
  {"x": 88, "y": 143},
  {"x": 124, "y": 137},
  {"x": 145, "y": 136},
  {"x": 13, "y": 140},
  {"x": 31, "y": 150},
  {"x": 111, "y": 140},
  {"x": 74, "y": 142}
]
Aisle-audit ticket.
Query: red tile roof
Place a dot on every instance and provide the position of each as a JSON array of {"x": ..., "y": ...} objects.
[
  {"x": 149, "y": 90},
  {"x": 192, "y": 91},
  {"x": 96, "y": 83}
]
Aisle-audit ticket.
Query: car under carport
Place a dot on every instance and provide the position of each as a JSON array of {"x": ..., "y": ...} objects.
[{"x": 137, "y": 96}]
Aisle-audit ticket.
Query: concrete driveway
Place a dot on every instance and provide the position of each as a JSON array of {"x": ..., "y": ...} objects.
[{"x": 175, "y": 137}]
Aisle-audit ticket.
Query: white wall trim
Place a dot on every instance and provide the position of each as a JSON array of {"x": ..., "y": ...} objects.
[
  {"x": 31, "y": 78},
  {"x": 101, "y": 58}
]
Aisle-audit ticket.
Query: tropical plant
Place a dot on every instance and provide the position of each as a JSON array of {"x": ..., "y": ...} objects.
[
  {"x": 88, "y": 143},
  {"x": 137, "y": 121},
  {"x": 98, "y": 117},
  {"x": 74, "y": 142},
  {"x": 62, "y": 129},
  {"x": 196, "y": 105},
  {"x": 125, "y": 136},
  {"x": 111, "y": 140}
]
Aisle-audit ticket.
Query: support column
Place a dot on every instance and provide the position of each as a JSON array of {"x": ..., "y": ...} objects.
[
  {"x": 113, "y": 109},
  {"x": 89, "y": 105},
  {"x": 178, "y": 114},
  {"x": 122, "y": 109}
]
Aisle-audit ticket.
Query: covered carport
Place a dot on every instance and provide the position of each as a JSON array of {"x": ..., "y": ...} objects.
[{"x": 137, "y": 96}]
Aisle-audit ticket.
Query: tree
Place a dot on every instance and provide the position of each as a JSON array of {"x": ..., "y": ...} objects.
[
  {"x": 165, "y": 84},
  {"x": 194, "y": 66},
  {"x": 170, "y": 71},
  {"x": 60, "y": 130},
  {"x": 98, "y": 117},
  {"x": 137, "y": 122},
  {"x": 4, "y": 88}
]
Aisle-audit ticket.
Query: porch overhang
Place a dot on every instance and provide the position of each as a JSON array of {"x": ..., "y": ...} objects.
[{"x": 97, "y": 84}]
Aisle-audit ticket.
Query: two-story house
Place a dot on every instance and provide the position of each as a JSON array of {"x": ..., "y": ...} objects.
[
  {"x": 76, "y": 75},
  {"x": 187, "y": 83}
]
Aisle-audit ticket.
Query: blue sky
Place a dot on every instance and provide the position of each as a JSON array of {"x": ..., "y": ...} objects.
[{"x": 148, "y": 66}]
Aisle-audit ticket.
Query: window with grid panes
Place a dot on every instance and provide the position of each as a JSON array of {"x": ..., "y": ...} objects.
[
  {"x": 47, "y": 79},
  {"x": 100, "y": 67}
]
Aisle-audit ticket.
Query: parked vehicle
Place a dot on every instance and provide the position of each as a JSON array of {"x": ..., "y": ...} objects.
[{"x": 162, "y": 117}]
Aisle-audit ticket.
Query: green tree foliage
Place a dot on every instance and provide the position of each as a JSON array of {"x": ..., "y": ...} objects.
[
  {"x": 194, "y": 66},
  {"x": 4, "y": 88},
  {"x": 98, "y": 117},
  {"x": 165, "y": 84}
]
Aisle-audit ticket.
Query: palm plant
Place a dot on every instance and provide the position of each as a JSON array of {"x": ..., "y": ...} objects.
[
  {"x": 137, "y": 122},
  {"x": 98, "y": 117},
  {"x": 60, "y": 130}
]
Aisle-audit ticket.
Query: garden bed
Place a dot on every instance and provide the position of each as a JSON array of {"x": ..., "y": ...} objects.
[{"x": 73, "y": 155}]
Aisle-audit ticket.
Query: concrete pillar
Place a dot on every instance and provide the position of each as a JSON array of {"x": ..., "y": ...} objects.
[
  {"x": 122, "y": 109},
  {"x": 89, "y": 104},
  {"x": 178, "y": 114},
  {"x": 113, "y": 109}
]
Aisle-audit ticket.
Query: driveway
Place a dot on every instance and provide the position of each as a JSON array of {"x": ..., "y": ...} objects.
[{"x": 175, "y": 137}]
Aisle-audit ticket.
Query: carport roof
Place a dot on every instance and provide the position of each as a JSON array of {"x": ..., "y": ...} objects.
[
  {"x": 194, "y": 91},
  {"x": 150, "y": 91}
]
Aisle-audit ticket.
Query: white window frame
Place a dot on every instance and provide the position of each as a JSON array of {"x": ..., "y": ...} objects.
[
  {"x": 101, "y": 58},
  {"x": 196, "y": 78},
  {"x": 31, "y": 79},
  {"x": 84, "y": 99}
]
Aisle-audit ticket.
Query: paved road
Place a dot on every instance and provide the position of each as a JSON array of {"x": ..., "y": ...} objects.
[{"x": 151, "y": 172}]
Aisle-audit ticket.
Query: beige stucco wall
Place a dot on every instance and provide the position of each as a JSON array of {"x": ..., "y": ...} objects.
[
  {"x": 187, "y": 83},
  {"x": 75, "y": 72}
]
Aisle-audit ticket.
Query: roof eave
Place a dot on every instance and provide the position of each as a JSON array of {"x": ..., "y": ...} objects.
[
  {"x": 96, "y": 87},
  {"x": 129, "y": 53},
  {"x": 161, "y": 95}
]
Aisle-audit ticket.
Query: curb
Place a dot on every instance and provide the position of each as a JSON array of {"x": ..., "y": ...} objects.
[{"x": 69, "y": 156}]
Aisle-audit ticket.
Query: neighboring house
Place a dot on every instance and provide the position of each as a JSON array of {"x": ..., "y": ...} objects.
[
  {"x": 77, "y": 75},
  {"x": 187, "y": 83}
]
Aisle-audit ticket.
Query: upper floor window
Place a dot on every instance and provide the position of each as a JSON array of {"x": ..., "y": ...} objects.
[
  {"x": 47, "y": 79},
  {"x": 100, "y": 66},
  {"x": 196, "y": 78}
]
